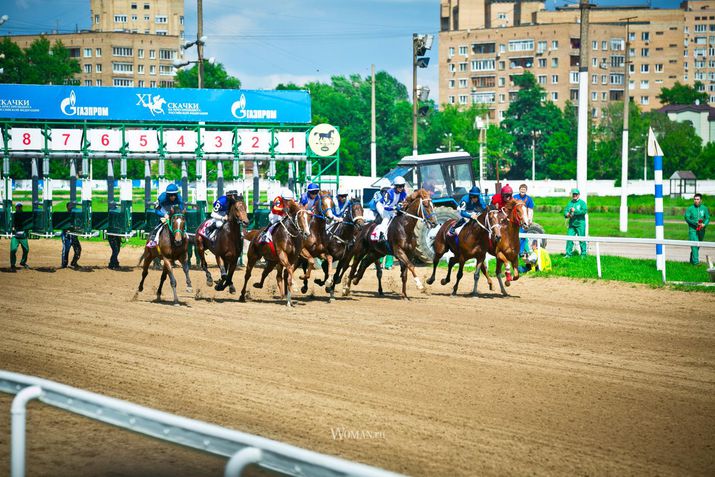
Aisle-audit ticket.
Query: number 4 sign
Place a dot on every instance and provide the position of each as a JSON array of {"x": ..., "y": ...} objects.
[{"x": 180, "y": 141}]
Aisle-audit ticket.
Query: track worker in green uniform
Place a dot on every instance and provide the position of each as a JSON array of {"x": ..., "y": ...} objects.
[
  {"x": 698, "y": 217},
  {"x": 575, "y": 211},
  {"x": 19, "y": 239}
]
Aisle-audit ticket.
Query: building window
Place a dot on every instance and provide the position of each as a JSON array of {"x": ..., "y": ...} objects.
[
  {"x": 554, "y": 62},
  {"x": 616, "y": 78},
  {"x": 542, "y": 79},
  {"x": 481, "y": 48},
  {"x": 554, "y": 96},
  {"x": 98, "y": 52},
  {"x": 481, "y": 65},
  {"x": 121, "y": 51},
  {"x": 146, "y": 6},
  {"x": 594, "y": 62},
  {"x": 701, "y": 28},
  {"x": 594, "y": 45},
  {"x": 521, "y": 45},
  {"x": 152, "y": 54},
  {"x": 541, "y": 46},
  {"x": 168, "y": 54},
  {"x": 88, "y": 82},
  {"x": 617, "y": 61},
  {"x": 450, "y": 84},
  {"x": 645, "y": 51},
  {"x": 98, "y": 68},
  {"x": 161, "y": 19},
  {"x": 462, "y": 99},
  {"x": 573, "y": 77},
  {"x": 450, "y": 100},
  {"x": 594, "y": 112},
  {"x": 594, "y": 79},
  {"x": 463, "y": 50},
  {"x": 554, "y": 44},
  {"x": 140, "y": 53},
  {"x": 502, "y": 98},
  {"x": 452, "y": 67},
  {"x": 451, "y": 51},
  {"x": 96, "y": 19},
  {"x": 594, "y": 96},
  {"x": 152, "y": 84},
  {"x": 152, "y": 69},
  {"x": 483, "y": 98},
  {"x": 124, "y": 82},
  {"x": 146, "y": 18},
  {"x": 162, "y": 32},
  {"x": 140, "y": 69},
  {"x": 140, "y": 83},
  {"x": 554, "y": 79},
  {"x": 122, "y": 67},
  {"x": 645, "y": 68},
  {"x": 617, "y": 44},
  {"x": 98, "y": 82},
  {"x": 632, "y": 36},
  {"x": 181, "y": 20},
  {"x": 167, "y": 70},
  {"x": 502, "y": 81},
  {"x": 120, "y": 18},
  {"x": 658, "y": 68},
  {"x": 645, "y": 84},
  {"x": 631, "y": 68},
  {"x": 463, "y": 83},
  {"x": 645, "y": 100},
  {"x": 87, "y": 68},
  {"x": 88, "y": 52},
  {"x": 542, "y": 62},
  {"x": 462, "y": 67},
  {"x": 645, "y": 36}
]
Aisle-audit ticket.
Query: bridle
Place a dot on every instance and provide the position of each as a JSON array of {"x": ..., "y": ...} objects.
[
  {"x": 422, "y": 211},
  {"x": 321, "y": 210},
  {"x": 291, "y": 220}
]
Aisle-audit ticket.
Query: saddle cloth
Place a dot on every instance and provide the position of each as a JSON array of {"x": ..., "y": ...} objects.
[{"x": 203, "y": 227}]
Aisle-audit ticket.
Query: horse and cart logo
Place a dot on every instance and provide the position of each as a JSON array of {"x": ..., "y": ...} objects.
[{"x": 324, "y": 140}]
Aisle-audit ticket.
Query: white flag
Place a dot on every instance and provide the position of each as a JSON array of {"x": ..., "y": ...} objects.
[{"x": 653, "y": 146}]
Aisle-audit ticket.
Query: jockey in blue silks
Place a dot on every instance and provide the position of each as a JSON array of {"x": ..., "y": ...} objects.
[
  {"x": 389, "y": 204},
  {"x": 167, "y": 201},
  {"x": 220, "y": 210},
  {"x": 307, "y": 200},
  {"x": 470, "y": 206},
  {"x": 341, "y": 204}
]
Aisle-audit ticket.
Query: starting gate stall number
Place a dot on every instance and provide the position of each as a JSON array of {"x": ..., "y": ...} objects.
[
  {"x": 291, "y": 143},
  {"x": 218, "y": 141},
  {"x": 180, "y": 141},
  {"x": 66, "y": 139},
  {"x": 142, "y": 140},
  {"x": 107, "y": 140},
  {"x": 24, "y": 139},
  {"x": 255, "y": 141}
]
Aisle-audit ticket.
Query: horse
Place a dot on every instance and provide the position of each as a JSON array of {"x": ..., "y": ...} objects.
[
  {"x": 401, "y": 242},
  {"x": 282, "y": 253},
  {"x": 172, "y": 245},
  {"x": 472, "y": 242},
  {"x": 315, "y": 246},
  {"x": 228, "y": 246}
]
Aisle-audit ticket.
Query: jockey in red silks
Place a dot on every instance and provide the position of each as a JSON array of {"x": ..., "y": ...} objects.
[
  {"x": 277, "y": 212},
  {"x": 499, "y": 200}
]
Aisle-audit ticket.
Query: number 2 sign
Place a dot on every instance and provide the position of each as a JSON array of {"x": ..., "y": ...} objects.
[
  {"x": 255, "y": 141},
  {"x": 180, "y": 141}
]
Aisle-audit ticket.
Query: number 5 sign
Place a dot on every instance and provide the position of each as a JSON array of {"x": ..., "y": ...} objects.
[
  {"x": 142, "y": 141},
  {"x": 180, "y": 141}
]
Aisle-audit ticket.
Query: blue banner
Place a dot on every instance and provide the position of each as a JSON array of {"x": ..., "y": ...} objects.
[{"x": 153, "y": 104}]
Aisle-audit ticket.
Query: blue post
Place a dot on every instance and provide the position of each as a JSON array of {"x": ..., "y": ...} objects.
[{"x": 659, "y": 231}]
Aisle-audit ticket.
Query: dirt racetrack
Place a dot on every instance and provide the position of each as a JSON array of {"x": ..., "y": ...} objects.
[{"x": 564, "y": 378}]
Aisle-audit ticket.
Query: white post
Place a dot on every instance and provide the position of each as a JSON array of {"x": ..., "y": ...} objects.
[
  {"x": 663, "y": 264},
  {"x": 582, "y": 149},
  {"x": 18, "y": 424},
  {"x": 373, "y": 136},
  {"x": 598, "y": 259}
]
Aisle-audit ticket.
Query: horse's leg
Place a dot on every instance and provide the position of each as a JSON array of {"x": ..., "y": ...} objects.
[
  {"x": 459, "y": 277},
  {"x": 367, "y": 260},
  {"x": 403, "y": 274},
  {"x": 485, "y": 272},
  {"x": 378, "y": 273},
  {"x": 326, "y": 272},
  {"x": 448, "y": 277},
  {"x": 498, "y": 273},
  {"x": 404, "y": 259},
  {"x": 185, "y": 265},
  {"x": 353, "y": 268},
  {"x": 145, "y": 268},
  {"x": 328, "y": 281},
  {"x": 229, "y": 277},
  {"x": 477, "y": 269},
  {"x": 222, "y": 270},
  {"x": 279, "y": 279},
  {"x": 202, "y": 257},
  {"x": 165, "y": 271},
  {"x": 439, "y": 250},
  {"x": 172, "y": 279},
  {"x": 266, "y": 271},
  {"x": 306, "y": 262},
  {"x": 251, "y": 261}
]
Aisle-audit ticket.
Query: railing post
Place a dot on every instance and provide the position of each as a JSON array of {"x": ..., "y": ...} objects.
[
  {"x": 598, "y": 259},
  {"x": 18, "y": 414},
  {"x": 242, "y": 459},
  {"x": 663, "y": 258}
]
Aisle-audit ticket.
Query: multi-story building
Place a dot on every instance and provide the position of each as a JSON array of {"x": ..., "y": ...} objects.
[
  {"x": 484, "y": 43},
  {"x": 131, "y": 43}
]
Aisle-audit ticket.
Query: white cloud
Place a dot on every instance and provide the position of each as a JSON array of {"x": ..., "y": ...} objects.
[{"x": 270, "y": 81}]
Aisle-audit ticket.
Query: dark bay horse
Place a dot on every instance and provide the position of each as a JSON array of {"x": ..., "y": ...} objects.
[
  {"x": 172, "y": 245},
  {"x": 315, "y": 245},
  {"x": 227, "y": 247},
  {"x": 471, "y": 242},
  {"x": 401, "y": 241},
  {"x": 282, "y": 253}
]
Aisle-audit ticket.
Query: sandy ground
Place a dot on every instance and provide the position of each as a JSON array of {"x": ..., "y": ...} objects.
[{"x": 565, "y": 377}]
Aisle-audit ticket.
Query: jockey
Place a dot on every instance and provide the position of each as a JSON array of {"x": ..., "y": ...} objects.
[
  {"x": 469, "y": 208},
  {"x": 498, "y": 201},
  {"x": 167, "y": 201},
  {"x": 220, "y": 210},
  {"x": 307, "y": 200},
  {"x": 384, "y": 185},
  {"x": 341, "y": 204},
  {"x": 277, "y": 213},
  {"x": 389, "y": 204}
]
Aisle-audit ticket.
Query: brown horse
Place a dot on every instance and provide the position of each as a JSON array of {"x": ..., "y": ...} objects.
[
  {"x": 172, "y": 245},
  {"x": 471, "y": 242},
  {"x": 227, "y": 247},
  {"x": 315, "y": 246},
  {"x": 282, "y": 253},
  {"x": 401, "y": 241}
]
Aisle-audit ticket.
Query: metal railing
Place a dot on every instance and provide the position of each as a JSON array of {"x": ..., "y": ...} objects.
[
  {"x": 241, "y": 448},
  {"x": 623, "y": 240}
]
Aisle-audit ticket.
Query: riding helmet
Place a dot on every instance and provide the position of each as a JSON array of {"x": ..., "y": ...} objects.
[
  {"x": 313, "y": 187},
  {"x": 343, "y": 191},
  {"x": 398, "y": 181},
  {"x": 172, "y": 189},
  {"x": 506, "y": 190},
  {"x": 231, "y": 192},
  {"x": 287, "y": 194},
  {"x": 475, "y": 191}
]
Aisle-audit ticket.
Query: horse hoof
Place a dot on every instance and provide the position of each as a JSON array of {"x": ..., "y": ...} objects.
[
  {"x": 508, "y": 283},
  {"x": 232, "y": 290},
  {"x": 356, "y": 281},
  {"x": 304, "y": 289},
  {"x": 209, "y": 282},
  {"x": 444, "y": 281},
  {"x": 242, "y": 299},
  {"x": 319, "y": 282},
  {"x": 189, "y": 290},
  {"x": 219, "y": 287},
  {"x": 258, "y": 285},
  {"x": 141, "y": 288},
  {"x": 177, "y": 304},
  {"x": 430, "y": 281}
]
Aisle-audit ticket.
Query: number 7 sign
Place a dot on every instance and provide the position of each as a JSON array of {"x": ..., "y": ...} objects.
[{"x": 66, "y": 139}]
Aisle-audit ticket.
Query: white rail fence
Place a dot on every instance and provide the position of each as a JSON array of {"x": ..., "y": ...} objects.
[
  {"x": 241, "y": 448},
  {"x": 620, "y": 240}
]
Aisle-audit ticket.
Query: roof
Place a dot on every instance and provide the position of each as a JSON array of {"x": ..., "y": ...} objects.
[
  {"x": 683, "y": 175},
  {"x": 436, "y": 157},
  {"x": 696, "y": 108}
]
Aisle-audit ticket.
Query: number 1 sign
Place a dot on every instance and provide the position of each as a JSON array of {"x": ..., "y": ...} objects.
[{"x": 291, "y": 142}]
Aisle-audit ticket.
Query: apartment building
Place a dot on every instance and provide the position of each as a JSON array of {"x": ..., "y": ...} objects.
[
  {"x": 131, "y": 43},
  {"x": 484, "y": 43}
]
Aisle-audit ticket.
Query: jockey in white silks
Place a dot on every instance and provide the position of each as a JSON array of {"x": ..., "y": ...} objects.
[{"x": 388, "y": 205}]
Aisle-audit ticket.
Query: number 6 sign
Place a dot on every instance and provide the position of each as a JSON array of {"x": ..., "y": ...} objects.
[
  {"x": 104, "y": 139},
  {"x": 180, "y": 141}
]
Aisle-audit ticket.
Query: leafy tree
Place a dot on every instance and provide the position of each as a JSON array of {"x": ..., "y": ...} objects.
[
  {"x": 560, "y": 149},
  {"x": 215, "y": 77},
  {"x": 39, "y": 63},
  {"x": 679, "y": 141},
  {"x": 499, "y": 150},
  {"x": 704, "y": 164},
  {"x": 683, "y": 94}
]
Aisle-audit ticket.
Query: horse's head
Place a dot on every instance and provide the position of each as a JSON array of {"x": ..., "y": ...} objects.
[
  {"x": 519, "y": 214},
  {"x": 177, "y": 227},
  {"x": 356, "y": 212},
  {"x": 300, "y": 216},
  {"x": 324, "y": 205},
  {"x": 238, "y": 211},
  {"x": 419, "y": 204}
]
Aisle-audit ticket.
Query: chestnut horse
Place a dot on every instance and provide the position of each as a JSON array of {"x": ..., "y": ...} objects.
[
  {"x": 401, "y": 241},
  {"x": 282, "y": 253},
  {"x": 227, "y": 247},
  {"x": 315, "y": 246},
  {"x": 172, "y": 245}
]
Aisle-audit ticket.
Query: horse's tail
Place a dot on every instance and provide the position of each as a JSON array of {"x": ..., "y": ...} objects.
[{"x": 251, "y": 234}]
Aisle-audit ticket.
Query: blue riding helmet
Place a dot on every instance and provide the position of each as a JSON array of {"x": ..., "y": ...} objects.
[
  {"x": 172, "y": 189},
  {"x": 313, "y": 187},
  {"x": 474, "y": 191}
]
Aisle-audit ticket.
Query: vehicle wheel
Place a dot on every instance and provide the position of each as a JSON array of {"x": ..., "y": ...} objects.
[
  {"x": 535, "y": 228},
  {"x": 425, "y": 235}
]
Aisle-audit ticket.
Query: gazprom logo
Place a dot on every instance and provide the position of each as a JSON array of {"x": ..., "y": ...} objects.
[
  {"x": 69, "y": 108},
  {"x": 239, "y": 111}
]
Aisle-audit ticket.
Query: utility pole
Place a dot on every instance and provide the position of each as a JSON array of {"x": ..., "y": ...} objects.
[
  {"x": 583, "y": 107},
  {"x": 414, "y": 94},
  {"x": 624, "y": 145},
  {"x": 373, "y": 136},
  {"x": 200, "y": 44}
]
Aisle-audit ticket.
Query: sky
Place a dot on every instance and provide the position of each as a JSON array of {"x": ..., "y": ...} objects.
[{"x": 266, "y": 42}]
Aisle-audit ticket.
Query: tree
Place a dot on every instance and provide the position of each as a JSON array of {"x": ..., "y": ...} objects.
[
  {"x": 704, "y": 164},
  {"x": 215, "y": 77},
  {"x": 683, "y": 94},
  {"x": 679, "y": 141},
  {"x": 39, "y": 63},
  {"x": 500, "y": 150}
]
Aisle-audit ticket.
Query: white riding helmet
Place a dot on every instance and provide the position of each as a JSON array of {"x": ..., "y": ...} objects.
[
  {"x": 383, "y": 183},
  {"x": 343, "y": 191},
  {"x": 398, "y": 181},
  {"x": 287, "y": 194}
]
